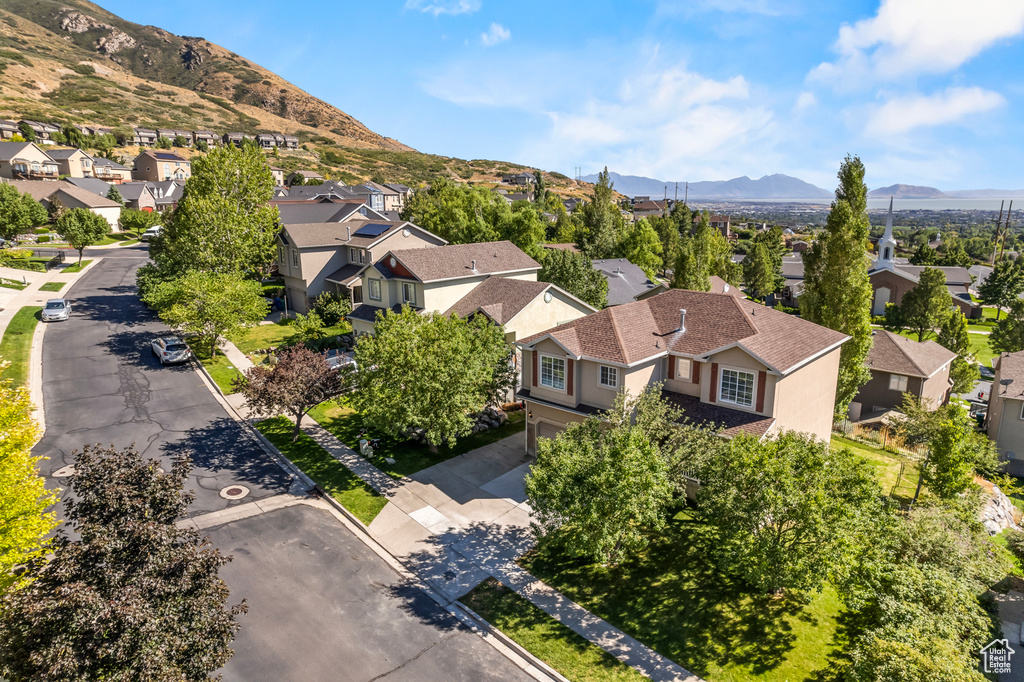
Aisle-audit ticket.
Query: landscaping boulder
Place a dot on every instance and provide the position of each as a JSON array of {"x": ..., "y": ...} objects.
[
  {"x": 501, "y": 416},
  {"x": 997, "y": 514}
]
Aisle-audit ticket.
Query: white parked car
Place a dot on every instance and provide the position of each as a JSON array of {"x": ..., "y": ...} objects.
[
  {"x": 150, "y": 233},
  {"x": 56, "y": 309},
  {"x": 170, "y": 349}
]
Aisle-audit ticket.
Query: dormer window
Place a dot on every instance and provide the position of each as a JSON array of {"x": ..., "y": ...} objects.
[
  {"x": 737, "y": 387},
  {"x": 552, "y": 372}
]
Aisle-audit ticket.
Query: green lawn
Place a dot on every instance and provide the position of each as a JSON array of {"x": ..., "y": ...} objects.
[
  {"x": 979, "y": 345},
  {"x": 887, "y": 468},
  {"x": 345, "y": 423},
  {"x": 52, "y": 286},
  {"x": 671, "y": 598},
  {"x": 266, "y": 335},
  {"x": 129, "y": 242},
  {"x": 546, "y": 638},
  {"x": 16, "y": 346},
  {"x": 76, "y": 267},
  {"x": 340, "y": 483},
  {"x": 220, "y": 368},
  {"x": 11, "y": 284}
]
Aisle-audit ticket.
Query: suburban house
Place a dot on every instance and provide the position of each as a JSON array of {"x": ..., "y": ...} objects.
[
  {"x": 234, "y": 138},
  {"x": 144, "y": 137},
  {"x": 1005, "y": 423},
  {"x": 278, "y": 174},
  {"x": 172, "y": 135},
  {"x": 165, "y": 194},
  {"x": 266, "y": 140},
  {"x": 890, "y": 280},
  {"x": 405, "y": 193},
  {"x": 72, "y": 162},
  {"x": 70, "y": 196},
  {"x": 110, "y": 171},
  {"x": 316, "y": 257},
  {"x": 571, "y": 203},
  {"x": 43, "y": 131},
  {"x": 207, "y": 136},
  {"x": 519, "y": 179},
  {"x": 8, "y": 129},
  {"x": 494, "y": 279},
  {"x": 725, "y": 361},
  {"x": 626, "y": 282},
  {"x": 720, "y": 223},
  {"x": 900, "y": 365},
  {"x": 392, "y": 199},
  {"x": 94, "y": 185},
  {"x": 304, "y": 175},
  {"x": 153, "y": 165},
  {"x": 290, "y": 142},
  {"x": 26, "y": 161},
  {"x": 138, "y": 195},
  {"x": 720, "y": 286},
  {"x": 646, "y": 209},
  {"x": 297, "y": 212}
]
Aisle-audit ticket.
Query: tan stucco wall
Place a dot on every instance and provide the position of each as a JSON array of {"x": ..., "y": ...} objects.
[
  {"x": 538, "y": 414},
  {"x": 441, "y": 296},
  {"x": 527, "y": 277},
  {"x": 738, "y": 359},
  {"x": 936, "y": 387},
  {"x": 73, "y": 166},
  {"x": 548, "y": 347},
  {"x": 687, "y": 386},
  {"x": 805, "y": 400},
  {"x": 538, "y": 316},
  {"x": 29, "y": 153}
]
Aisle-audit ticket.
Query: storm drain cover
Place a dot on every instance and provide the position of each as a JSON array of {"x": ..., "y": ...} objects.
[
  {"x": 234, "y": 492},
  {"x": 65, "y": 472}
]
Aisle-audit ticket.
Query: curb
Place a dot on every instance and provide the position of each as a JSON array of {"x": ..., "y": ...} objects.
[{"x": 540, "y": 665}]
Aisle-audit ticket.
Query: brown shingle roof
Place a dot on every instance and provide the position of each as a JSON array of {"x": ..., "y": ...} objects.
[
  {"x": 648, "y": 328},
  {"x": 456, "y": 260},
  {"x": 732, "y": 422},
  {"x": 900, "y": 355},
  {"x": 1011, "y": 366},
  {"x": 313, "y": 235},
  {"x": 85, "y": 197},
  {"x": 720, "y": 286},
  {"x": 37, "y": 189},
  {"x": 500, "y": 298}
]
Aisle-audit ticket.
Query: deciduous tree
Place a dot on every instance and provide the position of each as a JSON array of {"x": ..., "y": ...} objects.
[
  {"x": 1002, "y": 286},
  {"x": 1008, "y": 334},
  {"x": 784, "y": 509},
  {"x": 24, "y": 499},
  {"x": 574, "y": 273},
  {"x": 209, "y": 305},
  {"x": 641, "y": 246},
  {"x": 135, "y": 598},
  {"x": 703, "y": 253},
  {"x": 759, "y": 271},
  {"x": 19, "y": 213},
  {"x": 73, "y": 136},
  {"x": 953, "y": 336},
  {"x": 927, "y": 305},
  {"x": 837, "y": 292},
  {"x": 138, "y": 222},
  {"x": 299, "y": 381},
  {"x": 924, "y": 255},
  {"x": 81, "y": 228},
  {"x": 949, "y": 469},
  {"x": 429, "y": 371},
  {"x": 605, "y": 488},
  {"x": 458, "y": 213}
]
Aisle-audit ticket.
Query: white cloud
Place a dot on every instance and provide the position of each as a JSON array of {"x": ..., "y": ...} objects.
[
  {"x": 437, "y": 7},
  {"x": 805, "y": 101},
  {"x": 909, "y": 37},
  {"x": 768, "y": 8},
  {"x": 903, "y": 114},
  {"x": 494, "y": 35}
]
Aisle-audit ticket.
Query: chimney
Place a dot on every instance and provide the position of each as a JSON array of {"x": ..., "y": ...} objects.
[
  {"x": 473, "y": 266},
  {"x": 349, "y": 230},
  {"x": 682, "y": 319}
]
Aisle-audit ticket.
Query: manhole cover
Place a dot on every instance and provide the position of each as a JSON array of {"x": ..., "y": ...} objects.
[
  {"x": 234, "y": 492},
  {"x": 65, "y": 472}
]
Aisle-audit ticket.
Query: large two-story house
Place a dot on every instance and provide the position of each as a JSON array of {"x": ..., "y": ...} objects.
[
  {"x": 26, "y": 161},
  {"x": 725, "y": 361},
  {"x": 494, "y": 279},
  {"x": 329, "y": 256},
  {"x": 1005, "y": 423}
]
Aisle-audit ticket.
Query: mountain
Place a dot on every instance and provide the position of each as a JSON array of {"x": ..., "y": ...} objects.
[
  {"x": 986, "y": 194},
  {"x": 908, "y": 192},
  {"x": 73, "y": 61},
  {"x": 769, "y": 187}
]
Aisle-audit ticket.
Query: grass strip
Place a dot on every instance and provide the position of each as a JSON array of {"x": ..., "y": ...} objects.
[
  {"x": 11, "y": 284},
  {"x": 76, "y": 268},
  {"x": 16, "y": 346},
  {"x": 363, "y": 501},
  {"x": 544, "y": 637},
  {"x": 52, "y": 286}
]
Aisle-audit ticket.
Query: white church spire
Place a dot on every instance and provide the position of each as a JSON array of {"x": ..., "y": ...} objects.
[{"x": 887, "y": 244}]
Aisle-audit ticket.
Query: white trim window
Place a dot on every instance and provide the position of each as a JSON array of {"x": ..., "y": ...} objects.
[
  {"x": 552, "y": 372},
  {"x": 374, "y": 290},
  {"x": 608, "y": 377},
  {"x": 737, "y": 387},
  {"x": 295, "y": 258},
  {"x": 409, "y": 292},
  {"x": 897, "y": 382},
  {"x": 281, "y": 257},
  {"x": 356, "y": 255},
  {"x": 684, "y": 368},
  {"x": 1022, "y": 410}
]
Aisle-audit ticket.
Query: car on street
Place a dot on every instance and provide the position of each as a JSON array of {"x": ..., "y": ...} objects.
[
  {"x": 56, "y": 309},
  {"x": 170, "y": 349},
  {"x": 150, "y": 233}
]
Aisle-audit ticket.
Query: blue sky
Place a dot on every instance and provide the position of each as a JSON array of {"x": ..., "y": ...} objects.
[{"x": 927, "y": 92}]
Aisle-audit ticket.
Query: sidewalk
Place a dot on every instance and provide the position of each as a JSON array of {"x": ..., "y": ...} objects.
[
  {"x": 464, "y": 520},
  {"x": 12, "y": 300}
]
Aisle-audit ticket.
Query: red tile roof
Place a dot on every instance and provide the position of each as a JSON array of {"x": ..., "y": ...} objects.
[{"x": 638, "y": 331}]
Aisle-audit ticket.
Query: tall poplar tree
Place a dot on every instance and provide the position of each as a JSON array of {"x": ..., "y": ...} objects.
[{"x": 837, "y": 292}]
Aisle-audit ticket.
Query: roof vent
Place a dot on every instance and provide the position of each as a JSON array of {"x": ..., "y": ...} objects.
[
  {"x": 349, "y": 230},
  {"x": 682, "y": 319},
  {"x": 473, "y": 266}
]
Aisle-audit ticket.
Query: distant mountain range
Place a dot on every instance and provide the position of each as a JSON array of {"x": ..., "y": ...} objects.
[
  {"x": 781, "y": 187},
  {"x": 771, "y": 187}
]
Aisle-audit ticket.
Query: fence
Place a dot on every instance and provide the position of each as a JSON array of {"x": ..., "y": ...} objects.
[{"x": 880, "y": 435}]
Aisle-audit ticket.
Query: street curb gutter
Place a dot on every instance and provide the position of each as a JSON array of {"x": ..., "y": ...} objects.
[{"x": 520, "y": 657}]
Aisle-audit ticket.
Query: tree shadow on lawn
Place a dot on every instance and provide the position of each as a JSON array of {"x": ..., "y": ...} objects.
[{"x": 675, "y": 601}]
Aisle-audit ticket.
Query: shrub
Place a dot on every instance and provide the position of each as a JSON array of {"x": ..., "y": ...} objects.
[
  {"x": 43, "y": 239},
  {"x": 309, "y": 327},
  {"x": 332, "y": 309},
  {"x": 84, "y": 69},
  {"x": 1015, "y": 543}
]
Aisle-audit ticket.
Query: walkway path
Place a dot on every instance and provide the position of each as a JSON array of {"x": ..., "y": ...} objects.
[{"x": 467, "y": 519}]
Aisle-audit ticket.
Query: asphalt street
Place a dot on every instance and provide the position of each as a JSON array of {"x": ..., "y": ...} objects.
[{"x": 322, "y": 604}]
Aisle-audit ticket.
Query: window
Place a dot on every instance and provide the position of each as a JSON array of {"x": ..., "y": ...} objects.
[
  {"x": 374, "y": 289},
  {"x": 897, "y": 382},
  {"x": 684, "y": 368},
  {"x": 608, "y": 377},
  {"x": 737, "y": 387},
  {"x": 280, "y": 255},
  {"x": 409, "y": 292},
  {"x": 167, "y": 170},
  {"x": 356, "y": 255},
  {"x": 295, "y": 258},
  {"x": 552, "y": 372}
]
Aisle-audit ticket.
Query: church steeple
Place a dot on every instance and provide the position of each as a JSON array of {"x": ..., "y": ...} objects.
[{"x": 887, "y": 244}]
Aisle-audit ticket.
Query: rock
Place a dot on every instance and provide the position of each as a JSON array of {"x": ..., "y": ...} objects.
[
  {"x": 997, "y": 514},
  {"x": 76, "y": 22},
  {"x": 115, "y": 42},
  {"x": 502, "y": 416}
]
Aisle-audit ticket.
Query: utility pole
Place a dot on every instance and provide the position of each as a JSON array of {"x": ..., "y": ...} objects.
[
  {"x": 1006, "y": 230},
  {"x": 686, "y": 197},
  {"x": 999, "y": 222},
  {"x": 664, "y": 210},
  {"x": 676, "y": 200}
]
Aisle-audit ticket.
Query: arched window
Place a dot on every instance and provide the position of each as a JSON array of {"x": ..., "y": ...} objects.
[
  {"x": 167, "y": 170},
  {"x": 886, "y": 253}
]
